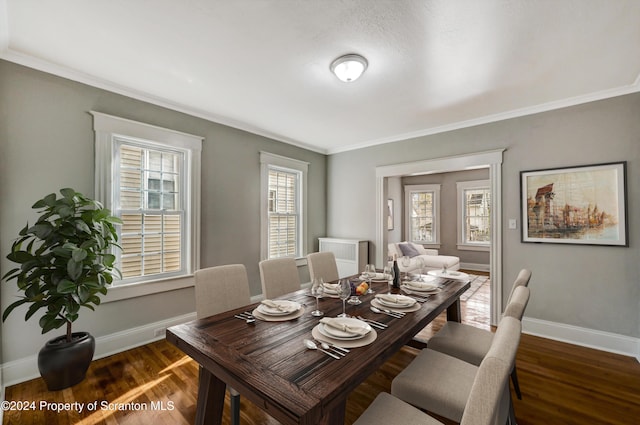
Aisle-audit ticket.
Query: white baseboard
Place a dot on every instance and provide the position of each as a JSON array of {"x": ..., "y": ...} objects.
[
  {"x": 605, "y": 341},
  {"x": 17, "y": 371},
  {"x": 476, "y": 267}
]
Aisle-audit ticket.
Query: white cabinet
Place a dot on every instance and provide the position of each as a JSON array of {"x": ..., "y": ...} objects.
[{"x": 351, "y": 254}]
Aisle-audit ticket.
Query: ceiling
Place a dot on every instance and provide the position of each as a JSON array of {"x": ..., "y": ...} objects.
[{"x": 263, "y": 65}]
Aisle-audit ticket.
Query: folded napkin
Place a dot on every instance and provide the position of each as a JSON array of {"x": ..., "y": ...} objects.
[
  {"x": 332, "y": 287},
  {"x": 425, "y": 286},
  {"x": 337, "y": 324},
  {"x": 401, "y": 300},
  {"x": 272, "y": 304}
]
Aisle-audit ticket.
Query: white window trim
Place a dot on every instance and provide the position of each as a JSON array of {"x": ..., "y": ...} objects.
[
  {"x": 461, "y": 187},
  {"x": 107, "y": 128},
  {"x": 266, "y": 160},
  {"x": 408, "y": 190}
]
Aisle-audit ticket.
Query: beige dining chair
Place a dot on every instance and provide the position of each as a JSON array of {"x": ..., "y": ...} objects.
[
  {"x": 323, "y": 264},
  {"x": 485, "y": 400},
  {"x": 279, "y": 276},
  {"x": 442, "y": 384},
  {"x": 219, "y": 289},
  {"x": 471, "y": 344}
]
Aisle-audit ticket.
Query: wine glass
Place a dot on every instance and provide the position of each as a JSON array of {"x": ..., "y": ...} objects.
[
  {"x": 317, "y": 290},
  {"x": 389, "y": 275},
  {"x": 406, "y": 262},
  {"x": 344, "y": 292},
  {"x": 370, "y": 273}
]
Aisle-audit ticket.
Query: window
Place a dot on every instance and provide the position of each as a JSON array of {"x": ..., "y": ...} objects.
[
  {"x": 149, "y": 177},
  {"x": 150, "y": 203},
  {"x": 422, "y": 214},
  {"x": 474, "y": 212},
  {"x": 284, "y": 203}
]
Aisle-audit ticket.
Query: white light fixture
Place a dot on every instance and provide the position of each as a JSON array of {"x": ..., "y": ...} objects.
[{"x": 349, "y": 68}]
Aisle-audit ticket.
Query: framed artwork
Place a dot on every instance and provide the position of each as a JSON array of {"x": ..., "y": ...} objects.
[
  {"x": 584, "y": 205},
  {"x": 389, "y": 214}
]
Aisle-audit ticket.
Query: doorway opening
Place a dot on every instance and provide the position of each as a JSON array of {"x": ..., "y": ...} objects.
[{"x": 489, "y": 159}]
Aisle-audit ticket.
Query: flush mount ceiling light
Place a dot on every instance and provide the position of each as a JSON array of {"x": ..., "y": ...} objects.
[{"x": 349, "y": 68}]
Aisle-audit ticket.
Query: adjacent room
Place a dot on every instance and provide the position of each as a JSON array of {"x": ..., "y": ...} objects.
[{"x": 320, "y": 212}]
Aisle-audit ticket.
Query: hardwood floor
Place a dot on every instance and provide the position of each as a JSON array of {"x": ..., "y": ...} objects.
[{"x": 561, "y": 384}]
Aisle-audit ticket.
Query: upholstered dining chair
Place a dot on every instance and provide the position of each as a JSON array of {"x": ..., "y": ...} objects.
[
  {"x": 323, "y": 264},
  {"x": 279, "y": 276},
  {"x": 483, "y": 404},
  {"x": 219, "y": 289},
  {"x": 471, "y": 344},
  {"x": 442, "y": 384}
]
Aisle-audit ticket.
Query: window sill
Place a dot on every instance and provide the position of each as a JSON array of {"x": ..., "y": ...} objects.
[
  {"x": 133, "y": 290},
  {"x": 483, "y": 248}
]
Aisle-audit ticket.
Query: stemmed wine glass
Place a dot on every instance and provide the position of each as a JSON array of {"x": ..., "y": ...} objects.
[
  {"x": 370, "y": 273},
  {"x": 406, "y": 262},
  {"x": 317, "y": 290},
  {"x": 389, "y": 275},
  {"x": 344, "y": 292}
]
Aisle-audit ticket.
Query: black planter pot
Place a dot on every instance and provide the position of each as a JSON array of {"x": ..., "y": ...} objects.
[{"x": 63, "y": 364}]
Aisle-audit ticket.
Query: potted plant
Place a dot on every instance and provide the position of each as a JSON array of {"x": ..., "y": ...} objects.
[{"x": 65, "y": 263}]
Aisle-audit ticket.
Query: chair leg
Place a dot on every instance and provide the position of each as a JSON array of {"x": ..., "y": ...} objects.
[
  {"x": 511, "y": 420},
  {"x": 235, "y": 409},
  {"x": 516, "y": 385}
]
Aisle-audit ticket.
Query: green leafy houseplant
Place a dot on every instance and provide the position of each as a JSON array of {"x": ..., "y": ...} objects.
[{"x": 65, "y": 259}]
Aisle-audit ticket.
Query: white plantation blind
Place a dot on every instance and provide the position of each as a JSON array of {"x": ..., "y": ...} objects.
[
  {"x": 283, "y": 213},
  {"x": 150, "y": 205},
  {"x": 283, "y": 218}
]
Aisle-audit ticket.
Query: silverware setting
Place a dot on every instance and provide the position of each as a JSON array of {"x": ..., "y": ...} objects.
[
  {"x": 247, "y": 317},
  {"x": 338, "y": 350},
  {"x": 395, "y": 314},
  {"x": 416, "y": 297},
  {"x": 312, "y": 346},
  {"x": 377, "y": 325}
]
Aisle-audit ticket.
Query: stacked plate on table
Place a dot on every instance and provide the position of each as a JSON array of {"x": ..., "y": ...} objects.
[
  {"x": 346, "y": 332},
  {"x": 395, "y": 302},
  {"x": 278, "y": 310},
  {"x": 420, "y": 287}
]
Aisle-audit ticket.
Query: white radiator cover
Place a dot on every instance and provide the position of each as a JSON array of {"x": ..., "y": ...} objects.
[{"x": 351, "y": 254}]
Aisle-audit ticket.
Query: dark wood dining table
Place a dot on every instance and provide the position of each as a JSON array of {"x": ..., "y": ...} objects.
[{"x": 268, "y": 363}]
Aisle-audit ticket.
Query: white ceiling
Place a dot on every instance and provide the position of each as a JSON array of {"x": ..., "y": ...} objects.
[{"x": 263, "y": 65}]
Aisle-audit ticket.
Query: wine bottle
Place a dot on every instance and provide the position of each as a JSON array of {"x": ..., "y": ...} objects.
[{"x": 396, "y": 272}]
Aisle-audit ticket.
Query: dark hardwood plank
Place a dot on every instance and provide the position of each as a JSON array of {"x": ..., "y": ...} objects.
[{"x": 561, "y": 384}]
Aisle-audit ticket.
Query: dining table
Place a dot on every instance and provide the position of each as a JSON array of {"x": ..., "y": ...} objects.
[{"x": 268, "y": 363}]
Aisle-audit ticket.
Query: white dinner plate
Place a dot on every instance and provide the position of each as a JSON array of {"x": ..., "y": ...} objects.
[
  {"x": 404, "y": 302},
  {"x": 288, "y": 307},
  {"x": 421, "y": 286},
  {"x": 336, "y": 333}
]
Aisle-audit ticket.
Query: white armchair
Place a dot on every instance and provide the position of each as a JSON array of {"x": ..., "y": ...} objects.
[{"x": 421, "y": 259}]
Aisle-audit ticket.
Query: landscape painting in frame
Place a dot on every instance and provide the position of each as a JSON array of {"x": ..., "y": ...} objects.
[{"x": 578, "y": 205}]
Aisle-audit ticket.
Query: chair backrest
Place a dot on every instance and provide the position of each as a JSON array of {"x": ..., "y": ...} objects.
[
  {"x": 518, "y": 302},
  {"x": 221, "y": 288},
  {"x": 279, "y": 276},
  {"x": 487, "y": 393},
  {"x": 323, "y": 264},
  {"x": 521, "y": 280},
  {"x": 488, "y": 401}
]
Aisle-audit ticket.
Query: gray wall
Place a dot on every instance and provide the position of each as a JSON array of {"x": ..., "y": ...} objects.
[
  {"x": 47, "y": 142},
  {"x": 449, "y": 210},
  {"x": 594, "y": 287}
]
